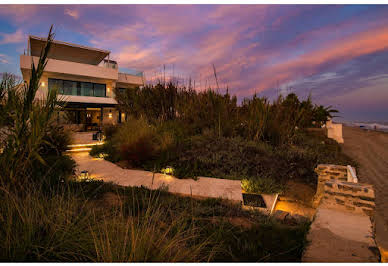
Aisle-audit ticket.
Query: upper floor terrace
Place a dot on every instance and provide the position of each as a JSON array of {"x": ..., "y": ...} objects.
[{"x": 76, "y": 60}]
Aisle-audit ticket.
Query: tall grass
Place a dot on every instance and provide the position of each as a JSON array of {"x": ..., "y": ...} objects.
[
  {"x": 255, "y": 118},
  {"x": 67, "y": 226},
  {"x": 96, "y": 222}
]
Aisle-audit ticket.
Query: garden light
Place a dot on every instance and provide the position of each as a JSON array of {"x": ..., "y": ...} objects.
[
  {"x": 168, "y": 170},
  {"x": 84, "y": 175}
]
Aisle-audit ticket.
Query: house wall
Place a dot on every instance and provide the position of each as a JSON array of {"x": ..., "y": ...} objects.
[
  {"x": 110, "y": 120},
  {"x": 334, "y": 131},
  {"x": 71, "y": 68}
]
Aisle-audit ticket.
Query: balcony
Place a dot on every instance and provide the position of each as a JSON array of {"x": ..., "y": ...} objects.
[
  {"x": 136, "y": 79},
  {"x": 71, "y": 68}
]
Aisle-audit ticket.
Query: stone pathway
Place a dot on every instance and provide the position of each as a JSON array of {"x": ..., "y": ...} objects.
[{"x": 203, "y": 187}]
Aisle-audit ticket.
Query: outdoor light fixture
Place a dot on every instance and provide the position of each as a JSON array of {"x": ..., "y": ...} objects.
[
  {"x": 42, "y": 83},
  {"x": 84, "y": 175},
  {"x": 110, "y": 115},
  {"x": 168, "y": 170},
  {"x": 108, "y": 89}
]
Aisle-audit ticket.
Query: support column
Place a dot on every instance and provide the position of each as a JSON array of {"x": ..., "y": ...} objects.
[{"x": 101, "y": 116}]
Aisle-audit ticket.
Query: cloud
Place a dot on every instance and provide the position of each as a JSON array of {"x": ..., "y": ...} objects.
[
  {"x": 255, "y": 48},
  {"x": 4, "y": 59},
  {"x": 16, "y": 37},
  {"x": 72, "y": 13},
  {"x": 19, "y": 13}
]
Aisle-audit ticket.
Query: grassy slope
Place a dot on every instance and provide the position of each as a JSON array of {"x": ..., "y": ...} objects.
[{"x": 92, "y": 221}]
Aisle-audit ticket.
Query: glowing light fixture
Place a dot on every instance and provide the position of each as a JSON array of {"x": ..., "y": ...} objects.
[
  {"x": 168, "y": 170},
  {"x": 108, "y": 89},
  {"x": 84, "y": 175},
  {"x": 43, "y": 84}
]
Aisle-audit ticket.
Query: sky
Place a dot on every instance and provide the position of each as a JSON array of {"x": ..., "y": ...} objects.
[{"x": 338, "y": 54}]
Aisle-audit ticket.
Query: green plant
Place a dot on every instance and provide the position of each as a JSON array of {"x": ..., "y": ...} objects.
[
  {"x": 28, "y": 127},
  {"x": 266, "y": 185}
]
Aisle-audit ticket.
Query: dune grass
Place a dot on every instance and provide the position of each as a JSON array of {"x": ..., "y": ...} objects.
[{"x": 95, "y": 221}]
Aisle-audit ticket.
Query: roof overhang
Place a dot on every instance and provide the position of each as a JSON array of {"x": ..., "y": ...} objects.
[
  {"x": 87, "y": 99},
  {"x": 68, "y": 51}
]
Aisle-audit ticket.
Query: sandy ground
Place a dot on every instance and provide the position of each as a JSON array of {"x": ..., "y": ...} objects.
[{"x": 370, "y": 150}]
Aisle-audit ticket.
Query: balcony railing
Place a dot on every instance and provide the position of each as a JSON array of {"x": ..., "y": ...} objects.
[{"x": 130, "y": 78}]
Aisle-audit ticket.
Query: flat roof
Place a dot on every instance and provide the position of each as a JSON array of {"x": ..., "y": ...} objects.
[{"x": 68, "y": 51}]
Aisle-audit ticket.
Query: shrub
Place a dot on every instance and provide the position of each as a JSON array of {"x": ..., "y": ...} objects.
[
  {"x": 56, "y": 140},
  {"x": 136, "y": 141},
  {"x": 109, "y": 130},
  {"x": 267, "y": 185}
]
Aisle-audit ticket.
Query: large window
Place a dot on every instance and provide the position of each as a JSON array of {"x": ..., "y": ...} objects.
[
  {"x": 78, "y": 88},
  {"x": 99, "y": 90}
]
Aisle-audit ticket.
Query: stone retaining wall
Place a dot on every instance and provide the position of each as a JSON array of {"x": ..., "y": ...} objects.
[
  {"x": 327, "y": 172},
  {"x": 334, "y": 191},
  {"x": 347, "y": 196},
  {"x": 342, "y": 230}
]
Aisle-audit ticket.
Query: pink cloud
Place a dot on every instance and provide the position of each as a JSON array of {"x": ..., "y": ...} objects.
[
  {"x": 338, "y": 51},
  {"x": 16, "y": 37},
  {"x": 72, "y": 13}
]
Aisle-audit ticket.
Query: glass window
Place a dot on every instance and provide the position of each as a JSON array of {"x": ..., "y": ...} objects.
[
  {"x": 69, "y": 87},
  {"x": 99, "y": 90},
  {"x": 86, "y": 89},
  {"x": 56, "y": 84}
]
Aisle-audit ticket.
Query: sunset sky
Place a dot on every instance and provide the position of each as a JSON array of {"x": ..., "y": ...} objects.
[{"x": 339, "y": 54}]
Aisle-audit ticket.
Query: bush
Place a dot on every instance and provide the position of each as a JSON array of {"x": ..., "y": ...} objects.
[
  {"x": 262, "y": 185},
  {"x": 56, "y": 140},
  {"x": 136, "y": 141},
  {"x": 57, "y": 169},
  {"x": 109, "y": 130}
]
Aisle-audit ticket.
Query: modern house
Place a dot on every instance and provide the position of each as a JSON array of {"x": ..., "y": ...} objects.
[{"x": 85, "y": 78}]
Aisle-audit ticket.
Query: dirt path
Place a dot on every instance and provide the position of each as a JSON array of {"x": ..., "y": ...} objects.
[{"x": 370, "y": 150}]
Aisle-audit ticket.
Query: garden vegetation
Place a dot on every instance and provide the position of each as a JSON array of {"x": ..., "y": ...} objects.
[
  {"x": 262, "y": 143},
  {"x": 47, "y": 215}
]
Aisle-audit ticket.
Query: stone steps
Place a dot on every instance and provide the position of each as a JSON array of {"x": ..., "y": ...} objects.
[{"x": 82, "y": 147}]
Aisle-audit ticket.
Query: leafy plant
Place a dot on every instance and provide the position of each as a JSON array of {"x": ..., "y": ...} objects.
[{"x": 28, "y": 126}]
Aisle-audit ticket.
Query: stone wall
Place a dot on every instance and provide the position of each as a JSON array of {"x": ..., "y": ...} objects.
[
  {"x": 334, "y": 190},
  {"x": 327, "y": 172},
  {"x": 348, "y": 196},
  {"x": 342, "y": 229}
]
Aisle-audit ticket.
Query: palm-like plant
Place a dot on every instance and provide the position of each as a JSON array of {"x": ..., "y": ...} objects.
[
  {"x": 24, "y": 121},
  {"x": 321, "y": 114}
]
